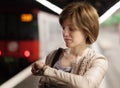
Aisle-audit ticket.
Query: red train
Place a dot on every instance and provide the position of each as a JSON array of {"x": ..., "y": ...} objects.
[
  {"x": 19, "y": 36},
  {"x": 26, "y": 37},
  {"x": 19, "y": 42}
]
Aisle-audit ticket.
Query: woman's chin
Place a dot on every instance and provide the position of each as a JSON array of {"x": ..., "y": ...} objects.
[{"x": 68, "y": 45}]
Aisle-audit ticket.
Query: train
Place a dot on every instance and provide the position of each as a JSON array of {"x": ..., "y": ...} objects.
[
  {"x": 19, "y": 36},
  {"x": 19, "y": 45},
  {"x": 26, "y": 37}
]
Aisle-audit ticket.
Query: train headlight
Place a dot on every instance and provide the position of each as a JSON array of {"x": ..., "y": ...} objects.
[
  {"x": 0, "y": 52},
  {"x": 12, "y": 46},
  {"x": 26, "y": 53}
]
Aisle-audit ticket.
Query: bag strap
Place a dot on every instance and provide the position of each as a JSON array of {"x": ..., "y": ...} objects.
[{"x": 56, "y": 57}]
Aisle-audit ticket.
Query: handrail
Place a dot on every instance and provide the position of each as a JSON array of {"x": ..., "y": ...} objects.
[{"x": 11, "y": 83}]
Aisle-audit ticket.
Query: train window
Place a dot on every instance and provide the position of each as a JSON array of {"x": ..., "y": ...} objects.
[
  {"x": 13, "y": 28},
  {"x": 29, "y": 30}
]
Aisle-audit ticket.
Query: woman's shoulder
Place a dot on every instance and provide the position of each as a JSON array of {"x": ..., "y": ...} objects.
[
  {"x": 53, "y": 52},
  {"x": 99, "y": 58},
  {"x": 95, "y": 54}
]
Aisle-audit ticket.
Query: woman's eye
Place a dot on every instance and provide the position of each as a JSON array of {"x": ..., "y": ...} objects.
[
  {"x": 63, "y": 28},
  {"x": 71, "y": 29}
]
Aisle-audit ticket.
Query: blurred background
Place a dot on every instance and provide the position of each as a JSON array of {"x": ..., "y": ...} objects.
[{"x": 29, "y": 30}]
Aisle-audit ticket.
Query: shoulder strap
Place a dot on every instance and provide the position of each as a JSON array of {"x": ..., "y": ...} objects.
[{"x": 57, "y": 55}]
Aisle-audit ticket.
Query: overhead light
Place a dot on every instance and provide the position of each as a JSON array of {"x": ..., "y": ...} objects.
[
  {"x": 58, "y": 10},
  {"x": 51, "y": 6},
  {"x": 109, "y": 12}
]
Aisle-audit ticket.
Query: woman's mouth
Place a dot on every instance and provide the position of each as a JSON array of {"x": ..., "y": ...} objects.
[{"x": 67, "y": 40}]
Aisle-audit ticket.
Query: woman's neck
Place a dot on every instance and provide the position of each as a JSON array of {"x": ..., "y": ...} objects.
[{"x": 78, "y": 50}]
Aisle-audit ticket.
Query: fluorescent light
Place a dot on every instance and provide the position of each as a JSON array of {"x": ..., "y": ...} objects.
[
  {"x": 108, "y": 13},
  {"x": 58, "y": 10},
  {"x": 51, "y": 6}
]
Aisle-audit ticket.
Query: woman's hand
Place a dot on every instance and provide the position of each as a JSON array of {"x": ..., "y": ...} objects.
[{"x": 37, "y": 67}]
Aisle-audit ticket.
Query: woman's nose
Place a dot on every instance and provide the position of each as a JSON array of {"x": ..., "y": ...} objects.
[{"x": 65, "y": 32}]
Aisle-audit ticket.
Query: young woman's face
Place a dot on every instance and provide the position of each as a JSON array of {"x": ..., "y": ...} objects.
[{"x": 72, "y": 37}]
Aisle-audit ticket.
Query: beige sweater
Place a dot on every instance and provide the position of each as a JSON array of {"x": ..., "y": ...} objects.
[{"x": 88, "y": 71}]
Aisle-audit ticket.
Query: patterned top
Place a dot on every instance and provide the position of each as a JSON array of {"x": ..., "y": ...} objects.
[{"x": 58, "y": 66}]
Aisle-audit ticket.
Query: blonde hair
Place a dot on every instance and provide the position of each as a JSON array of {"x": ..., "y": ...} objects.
[{"x": 83, "y": 16}]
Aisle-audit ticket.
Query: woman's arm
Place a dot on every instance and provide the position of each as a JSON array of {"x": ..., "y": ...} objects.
[
  {"x": 91, "y": 79},
  {"x": 38, "y": 67}
]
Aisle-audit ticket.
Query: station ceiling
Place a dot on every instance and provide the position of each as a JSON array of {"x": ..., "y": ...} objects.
[{"x": 19, "y": 5}]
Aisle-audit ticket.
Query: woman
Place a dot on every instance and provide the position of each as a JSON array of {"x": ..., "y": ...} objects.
[{"x": 78, "y": 66}]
